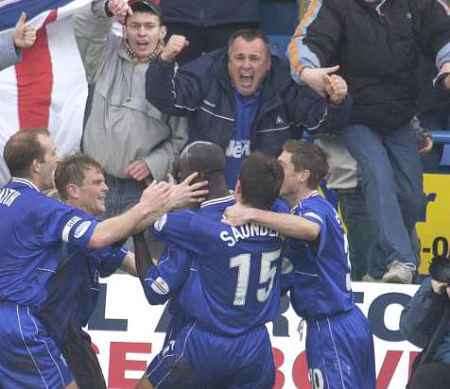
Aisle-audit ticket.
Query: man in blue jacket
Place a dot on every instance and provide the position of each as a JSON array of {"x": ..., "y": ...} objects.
[{"x": 242, "y": 98}]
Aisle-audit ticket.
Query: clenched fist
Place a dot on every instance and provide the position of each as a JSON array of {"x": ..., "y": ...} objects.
[{"x": 174, "y": 46}]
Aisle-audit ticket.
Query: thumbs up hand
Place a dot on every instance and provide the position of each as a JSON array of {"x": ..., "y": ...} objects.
[{"x": 24, "y": 35}]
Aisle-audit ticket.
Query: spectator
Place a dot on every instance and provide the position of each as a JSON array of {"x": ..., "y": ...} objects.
[
  {"x": 379, "y": 61},
  {"x": 35, "y": 229},
  {"x": 425, "y": 322},
  {"x": 434, "y": 115},
  {"x": 23, "y": 37},
  {"x": 241, "y": 98},
  {"x": 131, "y": 139},
  {"x": 207, "y": 24}
]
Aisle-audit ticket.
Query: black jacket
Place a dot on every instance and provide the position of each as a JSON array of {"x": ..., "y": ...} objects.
[
  {"x": 378, "y": 52},
  {"x": 425, "y": 321},
  {"x": 202, "y": 89},
  {"x": 205, "y": 13}
]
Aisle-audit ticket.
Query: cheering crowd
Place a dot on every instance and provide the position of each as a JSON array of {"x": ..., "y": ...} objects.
[{"x": 203, "y": 157}]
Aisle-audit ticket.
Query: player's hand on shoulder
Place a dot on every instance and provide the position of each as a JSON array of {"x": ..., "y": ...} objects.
[
  {"x": 237, "y": 215},
  {"x": 187, "y": 193},
  {"x": 175, "y": 45}
]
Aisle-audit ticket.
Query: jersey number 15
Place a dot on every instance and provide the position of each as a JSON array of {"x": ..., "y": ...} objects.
[{"x": 267, "y": 275}]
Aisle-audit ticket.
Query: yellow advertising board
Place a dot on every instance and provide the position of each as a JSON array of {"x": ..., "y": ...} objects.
[{"x": 434, "y": 233}]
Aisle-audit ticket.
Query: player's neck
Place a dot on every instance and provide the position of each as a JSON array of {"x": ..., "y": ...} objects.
[
  {"x": 217, "y": 188},
  {"x": 215, "y": 193},
  {"x": 304, "y": 193}
]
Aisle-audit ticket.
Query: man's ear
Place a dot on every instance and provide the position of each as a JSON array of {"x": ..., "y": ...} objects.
[
  {"x": 35, "y": 166},
  {"x": 304, "y": 175},
  {"x": 238, "y": 191},
  {"x": 73, "y": 191}
]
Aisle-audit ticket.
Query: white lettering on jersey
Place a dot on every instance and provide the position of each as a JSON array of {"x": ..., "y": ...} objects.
[
  {"x": 68, "y": 227},
  {"x": 238, "y": 149},
  {"x": 245, "y": 231},
  {"x": 7, "y": 196}
]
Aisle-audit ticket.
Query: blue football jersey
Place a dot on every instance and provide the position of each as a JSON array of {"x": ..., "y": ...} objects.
[
  {"x": 33, "y": 229},
  {"x": 72, "y": 293},
  {"x": 233, "y": 279},
  {"x": 164, "y": 280},
  {"x": 319, "y": 278}
]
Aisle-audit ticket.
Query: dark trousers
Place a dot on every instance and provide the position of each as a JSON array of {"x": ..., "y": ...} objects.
[{"x": 82, "y": 360}]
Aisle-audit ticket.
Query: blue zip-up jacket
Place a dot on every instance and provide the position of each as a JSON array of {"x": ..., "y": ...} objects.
[{"x": 203, "y": 90}]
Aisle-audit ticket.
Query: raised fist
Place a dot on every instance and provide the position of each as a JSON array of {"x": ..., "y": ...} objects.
[{"x": 174, "y": 46}]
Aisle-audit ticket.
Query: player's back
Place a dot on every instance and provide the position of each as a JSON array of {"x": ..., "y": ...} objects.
[
  {"x": 233, "y": 284},
  {"x": 321, "y": 277}
]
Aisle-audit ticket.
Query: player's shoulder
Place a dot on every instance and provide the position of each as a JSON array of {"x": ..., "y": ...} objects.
[
  {"x": 317, "y": 207},
  {"x": 280, "y": 206},
  {"x": 216, "y": 206}
]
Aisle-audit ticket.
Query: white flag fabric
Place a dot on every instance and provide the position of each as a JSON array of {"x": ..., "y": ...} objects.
[{"x": 47, "y": 89}]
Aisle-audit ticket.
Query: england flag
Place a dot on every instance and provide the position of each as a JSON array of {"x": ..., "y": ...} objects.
[{"x": 47, "y": 89}]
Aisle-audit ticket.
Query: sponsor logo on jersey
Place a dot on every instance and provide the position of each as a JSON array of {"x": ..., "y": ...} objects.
[{"x": 238, "y": 149}]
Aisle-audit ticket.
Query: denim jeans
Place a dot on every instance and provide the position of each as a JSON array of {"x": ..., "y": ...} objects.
[
  {"x": 123, "y": 193},
  {"x": 365, "y": 255},
  {"x": 391, "y": 180}
]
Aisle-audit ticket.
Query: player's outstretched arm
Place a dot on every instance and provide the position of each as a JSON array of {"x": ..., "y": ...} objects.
[
  {"x": 288, "y": 225},
  {"x": 150, "y": 207}
]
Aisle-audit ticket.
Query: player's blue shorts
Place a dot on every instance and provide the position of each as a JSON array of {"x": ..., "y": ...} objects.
[
  {"x": 29, "y": 358},
  {"x": 193, "y": 358},
  {"x": 340, "y": 352}
]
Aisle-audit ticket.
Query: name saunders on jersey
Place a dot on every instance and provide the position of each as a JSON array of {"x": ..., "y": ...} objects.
[{"x": 244, "y": 232}]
